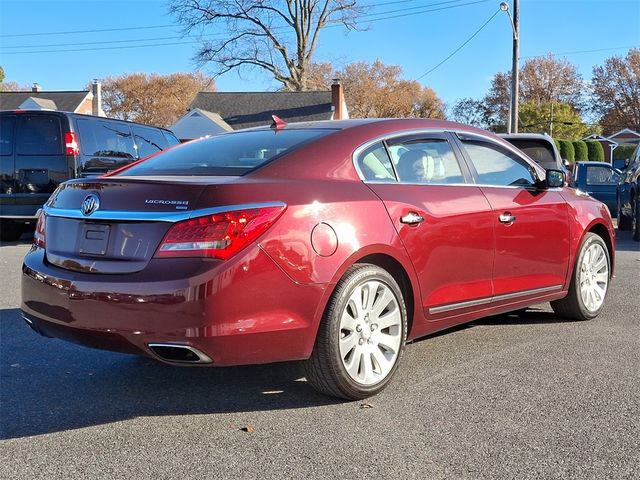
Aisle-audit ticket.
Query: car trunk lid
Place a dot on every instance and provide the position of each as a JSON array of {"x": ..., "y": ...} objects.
[{"x": 114, "y": 225}]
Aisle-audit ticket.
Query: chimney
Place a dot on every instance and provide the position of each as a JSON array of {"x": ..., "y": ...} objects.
[
  {"x": 96, "y": 104},
  {"x": 36, "y": 88},
  {"x": 337, "y": 99}
]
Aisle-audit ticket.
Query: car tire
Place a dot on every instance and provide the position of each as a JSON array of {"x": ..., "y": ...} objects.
[
  {"x": 361, "y": 336},
  {"x": 10, "y": 231},
  {"x": 589, "y": 282},
  {"x": 624, "y": 221}
]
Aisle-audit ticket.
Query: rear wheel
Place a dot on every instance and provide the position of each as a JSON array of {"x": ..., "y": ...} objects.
[
  {"x": 361, "y": 336},
  {"x": 589, "y": 282},
  {"x": 636, "y": 222}
]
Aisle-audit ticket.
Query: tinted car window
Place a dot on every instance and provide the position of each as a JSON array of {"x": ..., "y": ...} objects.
[
  {"x": 228, "y": 154},
  {"x": 375, "y": 165},
  {"x": 497, "y": 166},
  {"x": 148, "y": 140},
  {"x": 102, "y": 138},
  {"x": 541, "y": 152},
  {"x": 171, "y": 138},
  {"x": 429, "y": 161},
  {"x": 602, "y": 176},
  {"x": 39, "y": 135},
  {"x": 6, "y": 135}
]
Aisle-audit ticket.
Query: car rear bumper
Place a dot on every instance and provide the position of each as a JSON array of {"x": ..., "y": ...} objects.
[{"x": 220, "y": 309}]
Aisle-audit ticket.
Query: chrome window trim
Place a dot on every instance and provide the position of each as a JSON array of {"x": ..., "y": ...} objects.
[
  {"x": 493, "y": 299},
  {"x": 170, "y": 217},
  {"x": 421, "y": 131}
]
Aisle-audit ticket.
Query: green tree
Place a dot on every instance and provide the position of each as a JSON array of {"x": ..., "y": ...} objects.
[
  {"x": 582, "y": 153},
  {"x": 596, "y": 152},
  {"x": 556, "y": 119},
  {"x": 567, "y": 151},
  {"x": 1, "y": 74}
]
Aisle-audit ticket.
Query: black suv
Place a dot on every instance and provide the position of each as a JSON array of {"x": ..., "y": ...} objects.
[{"x": 41, "y": 149}]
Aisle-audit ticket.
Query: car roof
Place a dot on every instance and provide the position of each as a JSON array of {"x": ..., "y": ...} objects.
[{"x": 21, "y": 111}]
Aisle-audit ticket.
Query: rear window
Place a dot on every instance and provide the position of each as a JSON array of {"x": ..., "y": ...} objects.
[
  {"x": 540, "y": 151},
  {"x": 39, "y": 135},
  {"x": 102, "y": 138},
  {"x": 227, "y": 154}
]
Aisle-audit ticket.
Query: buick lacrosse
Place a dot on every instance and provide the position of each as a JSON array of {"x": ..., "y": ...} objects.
[{"x": 333, "y": 243}]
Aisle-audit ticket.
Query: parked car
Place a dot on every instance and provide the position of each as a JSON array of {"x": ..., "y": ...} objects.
[
  {"x": 629, "y": 197},
  {"x": 328, "y": 242},
  {"x": 539, "y": 147},
  {"x": 598, "y": 179},
  {"x": 40, "y": 149}
]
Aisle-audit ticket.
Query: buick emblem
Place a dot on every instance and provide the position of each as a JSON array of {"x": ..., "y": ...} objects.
[{"x": 90, "y": 204}]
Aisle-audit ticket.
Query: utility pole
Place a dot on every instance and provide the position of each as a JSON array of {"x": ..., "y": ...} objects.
[{"x": 515, "y": 73}]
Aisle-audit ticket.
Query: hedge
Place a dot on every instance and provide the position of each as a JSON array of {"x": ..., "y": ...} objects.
[
  {"x": 595, "y": 150},
  {"x": 566, "y": 150},
  {"x": 623, "y": 152},
  {"x": 582, "y": 152}
]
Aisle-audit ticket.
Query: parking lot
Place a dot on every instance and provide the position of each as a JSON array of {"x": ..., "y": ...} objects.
[{"x": 525, "y": 395}]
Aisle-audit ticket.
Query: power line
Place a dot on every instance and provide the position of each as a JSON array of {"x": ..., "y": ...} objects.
[
  {"x": 461, "y": 46},
  {"x": 84, "y": 31},
  {"x": 123, "y": 47},
  {"x": 585, "y": 51}
]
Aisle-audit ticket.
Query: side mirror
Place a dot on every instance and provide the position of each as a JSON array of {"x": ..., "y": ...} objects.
[{"x": 554, "y": 179}]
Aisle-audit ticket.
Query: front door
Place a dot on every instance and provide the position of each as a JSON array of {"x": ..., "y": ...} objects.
[{"x": 531, "y": 224}]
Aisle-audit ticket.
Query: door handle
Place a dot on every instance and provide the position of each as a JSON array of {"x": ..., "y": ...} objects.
[
  {"x": 412, "y": 218},
  {"x": 506, "y": 218}
]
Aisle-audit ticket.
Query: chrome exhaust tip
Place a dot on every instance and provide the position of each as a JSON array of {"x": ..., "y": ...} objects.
[{"x": 176, "y": 353}]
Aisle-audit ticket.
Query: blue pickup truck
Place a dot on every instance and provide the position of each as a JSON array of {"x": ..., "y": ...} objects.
[{"x": 598, "y": 179}]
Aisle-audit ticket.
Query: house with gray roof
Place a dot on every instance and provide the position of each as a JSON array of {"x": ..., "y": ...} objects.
[
  {"x": 82, "y": 101},
  {"x": 253, "y": 109}
]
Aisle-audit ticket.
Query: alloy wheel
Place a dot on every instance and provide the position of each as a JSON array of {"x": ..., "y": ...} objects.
[
  {"x": 370, "y": 332},
  {"x": 594, "y": 277}
]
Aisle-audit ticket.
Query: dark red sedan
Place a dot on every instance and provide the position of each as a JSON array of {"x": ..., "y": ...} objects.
[{"x": 329, "y": 242}]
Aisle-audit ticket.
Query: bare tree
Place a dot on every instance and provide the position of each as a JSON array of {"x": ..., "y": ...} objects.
[
  {"x": 616, "y": 92},
  {"x": 279, "y": 36},
  {"x": 151, "y": 98}
]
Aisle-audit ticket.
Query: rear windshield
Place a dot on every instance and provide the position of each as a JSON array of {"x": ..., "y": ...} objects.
[
  {"x": 227, "y": 154},
  {"x": 540, "y": 151}
]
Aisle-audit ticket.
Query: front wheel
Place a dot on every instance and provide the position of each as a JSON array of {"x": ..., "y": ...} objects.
[
  {"x": 361, "y": 336},
  {"x": 589, "y": 282},
  {"x": 624, "y": 221}
]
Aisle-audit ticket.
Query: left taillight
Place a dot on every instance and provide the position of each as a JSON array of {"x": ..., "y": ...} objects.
[
  {"x": 218, "y": 236},
  {"x": 39, "y": 235},
  {"x": 71, "y": 145}
]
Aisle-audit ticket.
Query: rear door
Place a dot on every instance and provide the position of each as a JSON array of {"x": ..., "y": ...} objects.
[
  {"x": 531, "y": 225},
  {"x": 40, "y": 160},
  {"x": 445, "y": 222}
]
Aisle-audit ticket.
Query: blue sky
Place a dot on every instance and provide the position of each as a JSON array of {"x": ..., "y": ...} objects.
[{"x": 586, "y": 32}]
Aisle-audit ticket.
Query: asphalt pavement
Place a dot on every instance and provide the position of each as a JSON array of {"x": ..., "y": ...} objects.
[{"x": 525, "y": 395}]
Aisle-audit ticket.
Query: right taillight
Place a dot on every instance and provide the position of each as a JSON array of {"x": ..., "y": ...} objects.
[
  {"x": 39, "y": 235},
  {"x": 218, "y": 236}
]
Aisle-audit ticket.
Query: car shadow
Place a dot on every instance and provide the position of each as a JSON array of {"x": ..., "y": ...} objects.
[
  {"x": 625, "y": 242},
  {"x": 49, "y": 385}
]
